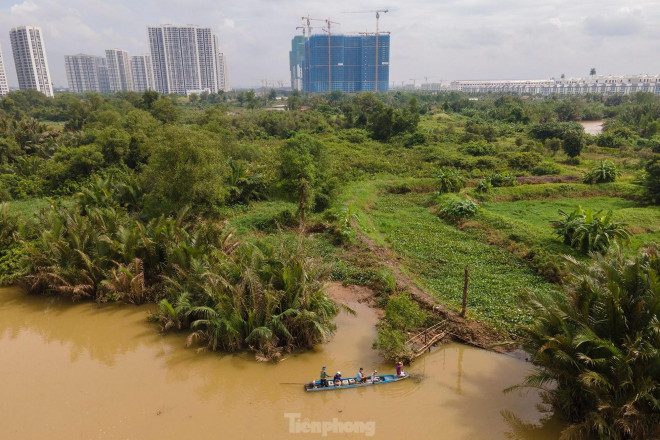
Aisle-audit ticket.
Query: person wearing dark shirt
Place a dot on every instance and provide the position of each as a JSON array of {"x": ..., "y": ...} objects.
[{"x": 324, "y": 377}]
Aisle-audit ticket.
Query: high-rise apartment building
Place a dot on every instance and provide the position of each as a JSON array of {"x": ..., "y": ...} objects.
[
  {"x": 185, "y": 58},
  {"x": 143, "y": 74},
  {"x": 297, "y": 61},
  {"x": 27, "y": 44},
  {"x": 119, "y": 70},
  {"x": 347, "y": 63},
  {"x": 223, "y": 74},
  {"x": 4, "y": 85},
  {"x": 87, "y": 73}
]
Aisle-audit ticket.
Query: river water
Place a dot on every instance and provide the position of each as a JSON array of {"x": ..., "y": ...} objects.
[
  {"x": 593, "y": 127},
  {"x": 84, "y": 371}
]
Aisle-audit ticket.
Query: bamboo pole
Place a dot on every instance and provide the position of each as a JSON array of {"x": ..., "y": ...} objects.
[{"x": 465, "y": 289}]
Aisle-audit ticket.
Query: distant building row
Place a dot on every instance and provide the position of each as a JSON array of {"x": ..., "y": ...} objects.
[
  {"x": 604, "y": 85},
  {"x": 183, "y": 59},
  {"x": 113, "y": 73}
]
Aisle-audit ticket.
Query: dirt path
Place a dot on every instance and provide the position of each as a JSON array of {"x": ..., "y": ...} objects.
[{"x": 465, "y": 330}]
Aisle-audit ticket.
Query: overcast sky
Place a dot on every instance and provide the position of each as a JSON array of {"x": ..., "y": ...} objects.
[{"x": 437, "y": 39}]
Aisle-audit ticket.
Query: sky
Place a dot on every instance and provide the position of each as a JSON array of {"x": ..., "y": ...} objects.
[{"x": 431, "y": 40}]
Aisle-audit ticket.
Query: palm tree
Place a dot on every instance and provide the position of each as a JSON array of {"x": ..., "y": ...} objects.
[
  {"x": 596, "y": 347},
  {"x": 592, "y": 72}
]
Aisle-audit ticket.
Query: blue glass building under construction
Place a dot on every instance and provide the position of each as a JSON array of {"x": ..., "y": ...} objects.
[{"x": 346, "y": 63}]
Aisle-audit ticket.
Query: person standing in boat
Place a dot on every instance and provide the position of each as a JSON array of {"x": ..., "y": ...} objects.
[
  {"x": 360, "y": 377},
  {"x": 374, "y": 377},
  {"x": 337, "y": 378},
  {"x": 399, "y": 369},
  {"x": 324, "y": 377}
]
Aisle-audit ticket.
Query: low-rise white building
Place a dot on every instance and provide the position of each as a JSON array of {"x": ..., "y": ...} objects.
[{"x": 604, "y": 85}]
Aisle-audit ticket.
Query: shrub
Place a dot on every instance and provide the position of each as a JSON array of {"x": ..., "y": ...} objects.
[
  {"x": 498, "y": 180},
  {"x": 603, "y": 173},
  {"x": 553, "y": 144},
  {"x": 609, "y": 140},
  {"x": 652, "y": 180},
  {"x": 450, "y": 181},
  {"x": 484, "y": 186},
  {"x": 354, "y": 135},
  {"x": 590, "y": 232},
  {"x": 404, "y": 314},
  {"x": 459, "y": 209},
  {"x": 525, "y": 161},
  {"x": 546, "y": 169},
  {"x": 480, "y": 148}
]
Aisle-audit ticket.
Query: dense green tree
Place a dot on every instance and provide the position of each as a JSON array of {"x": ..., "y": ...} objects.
[
  {"x": 164, "y": 111},
  {"x": 149, "y": 97},
  {"x": 652, "y": 180},
  {"x": 304, "y": 171},
  {"x": 185, "y": 168},
  {"x": 573, "y": 143},
  {"x": 115, "y": 144}
]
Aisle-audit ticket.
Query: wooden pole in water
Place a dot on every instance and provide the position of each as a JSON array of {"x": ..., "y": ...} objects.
[{"x": 465, "y": 289}]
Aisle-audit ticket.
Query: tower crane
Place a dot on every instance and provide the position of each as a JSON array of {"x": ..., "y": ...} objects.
[
  {"x": 308, "y": 66},
  {"x": 377, "y": 11},
  {"x": 329, "y": 23}
]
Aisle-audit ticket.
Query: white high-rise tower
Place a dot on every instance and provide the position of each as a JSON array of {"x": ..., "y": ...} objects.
[
  {"x": 143, "y": 74},
  {"x": 87, "y": 73},
  {"x": 27, "y": 44},
  {"x": 223, "y": 74},
  {"x": 119, "y": 70},
  {"x": 184, "y": 58},
  {"x": 4, "y": 85}
]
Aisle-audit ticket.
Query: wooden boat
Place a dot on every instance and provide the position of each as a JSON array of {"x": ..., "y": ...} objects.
[{"x": 350, "y": 382}]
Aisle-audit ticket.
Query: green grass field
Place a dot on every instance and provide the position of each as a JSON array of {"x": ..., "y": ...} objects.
[
  {"x": 436, "y": 252},
  {"x": 532, "y": 219}
]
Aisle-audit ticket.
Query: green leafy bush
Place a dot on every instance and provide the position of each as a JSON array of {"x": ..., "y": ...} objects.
[
  {"x": 604, "y": 172},
  {"x": 546, "y": 169},
  {"x": 450, "y": 181},
  {"x": 590, "y": 232},
  {"x": 506, "y": 178},
  {"x": 484, "y": 186},
  {"x": 525, "y": 160},
  {"x": 459, "y": 209},
  {"x": 480, "y": 148}
]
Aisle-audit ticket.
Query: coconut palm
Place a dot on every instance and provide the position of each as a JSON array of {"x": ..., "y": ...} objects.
[{"x": 596, "y": 347}]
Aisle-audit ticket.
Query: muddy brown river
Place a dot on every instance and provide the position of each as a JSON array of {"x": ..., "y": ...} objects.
[{"x": 84, "y": 371}]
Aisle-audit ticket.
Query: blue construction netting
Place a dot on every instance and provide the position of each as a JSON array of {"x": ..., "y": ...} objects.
[{"x": 349, "y": 65}]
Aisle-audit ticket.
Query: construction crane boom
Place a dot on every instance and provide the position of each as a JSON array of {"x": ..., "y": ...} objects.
[{"x": 308, "y": 66}]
